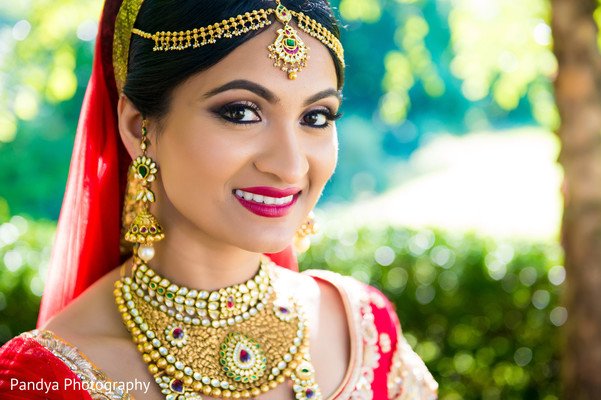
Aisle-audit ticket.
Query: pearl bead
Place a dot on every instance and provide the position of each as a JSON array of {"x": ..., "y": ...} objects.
[
  {"x": 301, "y": 245},
  {"x": 146, "y": 252}
]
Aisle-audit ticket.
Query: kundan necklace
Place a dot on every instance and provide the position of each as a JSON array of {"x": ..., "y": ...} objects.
[{"x": 235, "y": 342}]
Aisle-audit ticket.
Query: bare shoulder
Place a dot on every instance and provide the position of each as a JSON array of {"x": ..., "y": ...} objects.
[
  {"x": 92, "y": 314},
  {"x": 93, "y": 325}
]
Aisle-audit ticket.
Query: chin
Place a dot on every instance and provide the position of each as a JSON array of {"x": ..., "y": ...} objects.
[{"x": 268, "y": 246}]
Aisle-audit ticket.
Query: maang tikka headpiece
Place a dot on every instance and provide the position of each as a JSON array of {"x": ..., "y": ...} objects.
[{"x": 288, "y": 51}]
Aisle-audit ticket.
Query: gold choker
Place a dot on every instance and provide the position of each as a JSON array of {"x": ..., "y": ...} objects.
[{"x": 234, "y": 342}]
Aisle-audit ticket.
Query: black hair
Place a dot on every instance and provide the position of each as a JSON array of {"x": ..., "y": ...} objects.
[{"x": 153, "y": 75}]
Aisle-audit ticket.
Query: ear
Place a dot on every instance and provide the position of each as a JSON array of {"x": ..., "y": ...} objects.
[{"x": 130, "y": 126}]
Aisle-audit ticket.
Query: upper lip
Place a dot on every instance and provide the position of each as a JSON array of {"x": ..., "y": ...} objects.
[{"x": 271, "y": 191}]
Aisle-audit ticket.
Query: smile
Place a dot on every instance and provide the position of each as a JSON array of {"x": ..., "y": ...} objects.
[
  {"x": 261, "y": 199},
  {"x": 267, "y": 201}
]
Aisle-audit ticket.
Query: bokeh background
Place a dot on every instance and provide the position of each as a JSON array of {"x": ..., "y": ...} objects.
[{"x": 446, "y": 196}]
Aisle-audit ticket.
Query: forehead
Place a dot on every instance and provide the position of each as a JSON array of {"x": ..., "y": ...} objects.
[{"x": 250, "y": 61}]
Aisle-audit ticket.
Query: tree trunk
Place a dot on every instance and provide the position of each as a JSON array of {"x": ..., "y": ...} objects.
[{"x": 578, "y": 97}]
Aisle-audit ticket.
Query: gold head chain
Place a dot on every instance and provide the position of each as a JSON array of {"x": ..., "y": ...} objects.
[{"x": 288, "y": 51}]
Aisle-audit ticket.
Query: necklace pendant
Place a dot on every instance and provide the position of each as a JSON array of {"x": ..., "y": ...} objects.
[
  {"x": 303, "y": 377},
  {"x": 242, "y": 358},
  {"x": 174, "y": 389}
]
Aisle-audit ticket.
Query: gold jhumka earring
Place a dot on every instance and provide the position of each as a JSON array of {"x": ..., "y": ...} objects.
[
  {"x": 302, "y": 242},
  {"x": 145, "y": 229}
]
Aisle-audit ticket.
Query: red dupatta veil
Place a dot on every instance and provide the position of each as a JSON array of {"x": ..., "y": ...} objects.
[{"x": 87, "y": 240}]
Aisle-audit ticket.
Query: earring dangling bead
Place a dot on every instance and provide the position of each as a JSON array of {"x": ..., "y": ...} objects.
[
  {"x": 146, "y": 252},
  {"x": 302, "y": 242}
]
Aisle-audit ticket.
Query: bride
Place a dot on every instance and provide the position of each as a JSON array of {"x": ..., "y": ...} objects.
[{"x": 183, "y": 285}]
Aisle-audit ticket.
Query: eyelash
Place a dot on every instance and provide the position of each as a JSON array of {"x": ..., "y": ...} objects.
[
  {"x": 329, "y": 115},
  {"x": 232, "y": 107},
  {"x": 226, "y": 109}
]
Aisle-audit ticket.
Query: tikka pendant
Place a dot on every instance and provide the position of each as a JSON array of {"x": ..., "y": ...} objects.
[{"x": 288, "y": 51}]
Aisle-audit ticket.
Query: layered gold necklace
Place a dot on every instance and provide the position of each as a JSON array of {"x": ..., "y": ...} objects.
[{"x": 235, "y": 342}]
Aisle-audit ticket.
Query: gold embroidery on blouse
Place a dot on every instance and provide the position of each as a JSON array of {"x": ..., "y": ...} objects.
[
  {"x": 371, "y": 356},
  {"x": 385, "y": 343},
  {"x": 377, "y": 300},
  {"x": 100, "y": 387},
  {"x": 409, "y": 379}
]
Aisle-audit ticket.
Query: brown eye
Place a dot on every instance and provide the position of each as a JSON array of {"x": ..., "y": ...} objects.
[
  {"x": 319, "y": 118},
  {"x": 240, "y": 113}
]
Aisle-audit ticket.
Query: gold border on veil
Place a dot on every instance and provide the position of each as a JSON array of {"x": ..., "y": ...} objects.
[{"x": 124, "y": 24}]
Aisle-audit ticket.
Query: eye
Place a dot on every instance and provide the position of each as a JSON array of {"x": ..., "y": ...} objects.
[
  {"x": 320, "y": 118},
  {"x": 241, "y": 113}
]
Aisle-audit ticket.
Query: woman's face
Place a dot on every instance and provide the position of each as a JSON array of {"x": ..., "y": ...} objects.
[{"x": 244, "y": 152}]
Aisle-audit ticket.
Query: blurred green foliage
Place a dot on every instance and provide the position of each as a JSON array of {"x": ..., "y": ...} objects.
[
  {"x": 45, "y": 64},
  {"x": 482, "y": 313},
  {"x": 25, "y": 247}
]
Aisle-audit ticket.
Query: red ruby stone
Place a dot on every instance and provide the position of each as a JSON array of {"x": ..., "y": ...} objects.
[
  {"x": 284, "y": 310},
  {"x": 230, "y": 302},
  {"x": 177, "y": 386},
  {"x": 178, "y": 333},
  {"x": 309, "y": 393},
  {"x": 143, "y": 230},
  {"x": 244, "y": 356}
]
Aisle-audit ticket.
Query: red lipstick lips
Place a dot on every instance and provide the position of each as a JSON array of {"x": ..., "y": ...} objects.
[{"x": 266, "y": 201}]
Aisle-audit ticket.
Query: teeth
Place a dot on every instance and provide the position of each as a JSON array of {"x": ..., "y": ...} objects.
[{"x": 257, "y": 198}]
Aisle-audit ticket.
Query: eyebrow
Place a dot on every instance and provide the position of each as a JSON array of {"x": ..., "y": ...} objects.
[
  {"x": 266, "y": 93},
  {"x": 324, "y": 94},
  {"x": 245, "y": 85}
]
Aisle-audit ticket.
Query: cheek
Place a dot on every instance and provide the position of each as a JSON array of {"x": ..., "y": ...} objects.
[
  {"x": 197, "y": 163},
  {"x": 324, "y": 159}
]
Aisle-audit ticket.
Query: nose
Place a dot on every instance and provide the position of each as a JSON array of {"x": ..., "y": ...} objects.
[{"x": 283, "y": 155}]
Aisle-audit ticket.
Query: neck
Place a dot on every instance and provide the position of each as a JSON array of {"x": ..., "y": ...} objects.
[{"x": 207, "y": 267}]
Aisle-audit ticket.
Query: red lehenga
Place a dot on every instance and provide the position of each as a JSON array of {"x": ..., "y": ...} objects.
[{"x": 38, "y": 365}]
